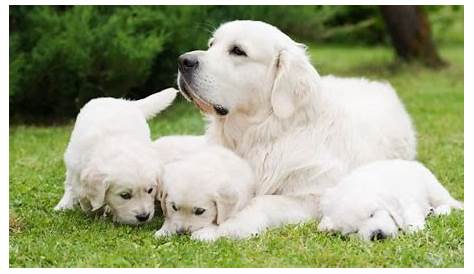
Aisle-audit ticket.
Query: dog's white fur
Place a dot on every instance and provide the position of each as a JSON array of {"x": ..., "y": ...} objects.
[
  {"x": 213, "y": 179},
  {"x": 378, "y": 199},
  {"x": 300, "y": 132},
  {"x": 110, "y": 153},
  {"x": 176, "y": 147}
]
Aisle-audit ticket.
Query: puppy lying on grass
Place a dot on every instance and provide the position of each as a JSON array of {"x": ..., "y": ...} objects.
[
  {"x": 110, "y": 160},
  {"x": 378, "y": 199},
  {"x": 202, "y": 190}
]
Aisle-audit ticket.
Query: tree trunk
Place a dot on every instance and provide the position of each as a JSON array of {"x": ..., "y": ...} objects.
[{"x": 410, "y": 32}]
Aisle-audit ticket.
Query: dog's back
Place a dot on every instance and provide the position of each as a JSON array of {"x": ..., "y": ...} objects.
[{"x": 106, "y": 117}]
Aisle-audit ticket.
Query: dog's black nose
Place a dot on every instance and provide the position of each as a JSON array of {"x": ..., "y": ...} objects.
[
  {"x": 142, "y": 217},
  {"x": 181, "y": 231},
  {"x": 187, "y": 62},
  {"x": 378, "y": 235}
]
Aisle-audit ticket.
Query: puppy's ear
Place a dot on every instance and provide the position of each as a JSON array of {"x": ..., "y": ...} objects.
[
  {"x": 161, "y": 196},
  {"x": 226, "y": 201},
  {"x": 295, "y": 80},
  {"x": 93, "y": 189},
  {"x": 395, "y": 213}
]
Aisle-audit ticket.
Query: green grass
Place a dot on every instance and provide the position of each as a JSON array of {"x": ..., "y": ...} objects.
[{"x": 40, "y": 237}]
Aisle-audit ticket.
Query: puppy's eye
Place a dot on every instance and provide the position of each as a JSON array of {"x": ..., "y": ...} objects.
[
  {"x": 173, "y": 206},
  {"x": 235, "y": 50},
  {"x": 371, "y": 215},
  {"x": 199, "y": 211},
  {"x": 149, "y": 191},
  {"x": 126, "y": 196}
]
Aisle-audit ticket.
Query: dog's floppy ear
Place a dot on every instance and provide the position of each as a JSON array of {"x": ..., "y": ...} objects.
[
  {"x": 226, "y": 201},
  {"x": 161, "y": 196},
  {"x": 395, "y": 213},
  {"x": 295, "y": 79},
  {"x": 161, "y": 193},
  {"x": 93, "y": 189}
]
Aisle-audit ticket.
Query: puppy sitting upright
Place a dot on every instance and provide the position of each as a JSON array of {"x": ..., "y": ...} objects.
[
  {"x": 378, "y": 199},
  {"x": 110, "y": 160},
  {"x": 203, "y": 190}
]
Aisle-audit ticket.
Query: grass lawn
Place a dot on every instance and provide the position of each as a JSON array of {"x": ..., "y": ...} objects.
[{"x": 40, "y": 237}]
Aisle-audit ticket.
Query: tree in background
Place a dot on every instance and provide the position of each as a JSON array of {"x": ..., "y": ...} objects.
[
  {"x": 62, "y": 56},
  {"x": 410, "y": 32}
]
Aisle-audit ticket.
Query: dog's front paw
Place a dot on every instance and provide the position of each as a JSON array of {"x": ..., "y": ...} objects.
[
  {"x": 64, "y": 205},
  {"x": 442, "y": 210},
  {"x": 412, "y": 228},
  {"x": 325, "y": 224},
  {"x": 163, "y": 232},
  {"x": 206, "y": 234}
]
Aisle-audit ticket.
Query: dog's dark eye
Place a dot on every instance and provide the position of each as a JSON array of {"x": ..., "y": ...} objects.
[
  {"x": 149, "y": 191},
  {"x": 199, "y": 211},
  {"x": 126, "y": 196},
  {"x": 173, "y": 206},
  {"x": 237, "y": 51},
  {"x": 371, "y": 215}
]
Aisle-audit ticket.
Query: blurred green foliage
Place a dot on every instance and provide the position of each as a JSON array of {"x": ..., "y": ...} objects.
[{"x": 62, "y": 56}]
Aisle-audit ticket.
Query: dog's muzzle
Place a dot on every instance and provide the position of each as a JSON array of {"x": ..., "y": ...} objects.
[{"x": 187, "y": 65}]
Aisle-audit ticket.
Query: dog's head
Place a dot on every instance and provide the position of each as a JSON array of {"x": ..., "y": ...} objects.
[
  {"x": 348, "y": 212},
  {"x": 203, "y": 189},
  {"x": 248, "y": 66},
  {"x": 123, "y": 178}
]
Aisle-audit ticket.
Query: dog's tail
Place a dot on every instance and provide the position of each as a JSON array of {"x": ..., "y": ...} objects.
[{"x": 155, "y": 103}]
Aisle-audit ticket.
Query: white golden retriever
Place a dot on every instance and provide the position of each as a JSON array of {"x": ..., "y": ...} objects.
[
  {"x": 378, "y": 199},
  {"x": 110, "y": 160},
  {"x": 300, "y": 132},
  {"x": 203, "y": 190}
]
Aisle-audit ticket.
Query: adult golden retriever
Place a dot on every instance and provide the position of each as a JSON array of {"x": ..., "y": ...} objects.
[{"x": 299, "y": 131}]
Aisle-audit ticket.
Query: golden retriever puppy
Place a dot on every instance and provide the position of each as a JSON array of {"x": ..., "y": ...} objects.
[
  {"x": 110, "y": 160},
  {"x": 377, "y": 200},
  {"x": 203, "y": 190}
]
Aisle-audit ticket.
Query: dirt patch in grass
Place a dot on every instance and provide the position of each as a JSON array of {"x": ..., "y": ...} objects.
[{"x": 16, "y": 224}]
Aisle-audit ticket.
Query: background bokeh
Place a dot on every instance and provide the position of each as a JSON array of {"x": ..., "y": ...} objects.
[{"x": 62, "y": 56}]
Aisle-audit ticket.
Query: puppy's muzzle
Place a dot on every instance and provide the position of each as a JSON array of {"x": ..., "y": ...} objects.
[
  {"x": 378, "y": 235},
  {"x": 143, "y": 217},
  {"x": 182, "y": 231}
]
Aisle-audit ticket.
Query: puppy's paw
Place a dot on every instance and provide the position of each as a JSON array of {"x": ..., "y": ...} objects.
[
  {"x": 442, "y": 210},
  {"x": 325, "y": 224},
  {"x": 163, "y": 232},
  {"x": 64, "y": 205},
  {"x": 206, "y": 234},
  {"x": 412, "y": 228}
]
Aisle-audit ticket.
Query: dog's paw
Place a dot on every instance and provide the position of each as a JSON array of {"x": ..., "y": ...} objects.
[
  {"x": 412, "y": 228},
  {"x": 206, "y": 234},
  {"x": 442, "y": 210},
  {"x": 163, "y": 232},
  {"x": 325, "y": 224},
  {"x": 64, "y": 205}
]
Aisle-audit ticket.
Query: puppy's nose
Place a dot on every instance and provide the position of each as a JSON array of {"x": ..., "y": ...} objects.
[
  {"x": 181, "y": 231},
  {"x": 378, "y": 235},
  {"x": 187, "y": 62},
  {"x": 142, "y": 217}
]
